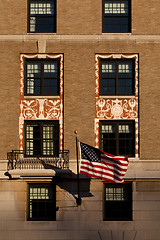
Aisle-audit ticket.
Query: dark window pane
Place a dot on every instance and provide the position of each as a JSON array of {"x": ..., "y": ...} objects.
[
  {"x": 50, "y": 90},
  {"x": 124, "y": 28},
  {"x": 110, "y": 74},
  {"x": 125, "y": 82},
  {"x": 125, "y": 90},
  {"x": 108, "y": 86},
  {"x": 116, "y": 21},
  {"x": 108, "y": 82},
  {"x": 44, "y": 28},
  {"x": 109, "y": 146},
  {"x": 108, "y": 20},
  {"x": 37, "y": 88},
  {"x": 50, "y": 82},
  {"x": 108, "y": 90},
  {"x": 44, "y": 20},
  {"x": 124, "y": 21},
  {"x": 108, "y": 28},
  {"x": 116, "y": 28}
]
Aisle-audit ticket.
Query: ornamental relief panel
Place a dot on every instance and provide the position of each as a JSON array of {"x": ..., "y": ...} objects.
[
  {"x": 116, "y": 108},
  {"x": 40, "y": 108}
]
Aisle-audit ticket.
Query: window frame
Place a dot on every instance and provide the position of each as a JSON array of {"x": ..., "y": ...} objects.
[
  {"x": 53, "y": 201},
  {"x": 116, "y": 61},
  {"x": 116, "y": 123},
  {"x": 45, "y": 15},
  {"x": 42, "y": 62},
  {"x": 41, "y": 123},
  {"x": 117, "y": 208},
  {"x": 118, "y": 15}
]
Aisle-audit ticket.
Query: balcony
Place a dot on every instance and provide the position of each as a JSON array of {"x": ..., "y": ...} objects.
[{"x": 19, "y": 160}]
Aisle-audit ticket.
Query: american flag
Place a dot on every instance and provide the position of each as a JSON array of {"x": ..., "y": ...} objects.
[{"x": 98, "y": 164}]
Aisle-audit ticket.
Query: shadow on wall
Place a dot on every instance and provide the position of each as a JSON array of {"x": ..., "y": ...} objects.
[{"x": 67, "y": 180}]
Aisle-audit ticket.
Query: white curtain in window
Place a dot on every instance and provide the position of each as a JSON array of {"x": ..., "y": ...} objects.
[{"x": 112, "y": 7}]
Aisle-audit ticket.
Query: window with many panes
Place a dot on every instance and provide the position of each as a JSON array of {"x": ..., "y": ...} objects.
[
  {"x": 42, "y": 16},
  {"x": 118, "y": 137},
  {"x": 41, "y": 202},
  {"x": 116, "y": 77},
  {"x": 42, "y": 77},
  {"x": 116, "y": 16},
  {"x": 117, "y": 202},
  {"x": 41, "y": 138}
]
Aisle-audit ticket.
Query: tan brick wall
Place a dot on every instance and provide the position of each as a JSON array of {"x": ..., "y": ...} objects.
[
  {"x": 145, "y": 17},
  {"x": 9, "y": 92},
  {"x": 79, "y": 84},
  {"x": 79, "y": 17},
  {"x": 13, "y": 19}
]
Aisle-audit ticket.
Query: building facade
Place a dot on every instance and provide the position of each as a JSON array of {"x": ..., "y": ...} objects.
[{"x": 91, "y": 67}]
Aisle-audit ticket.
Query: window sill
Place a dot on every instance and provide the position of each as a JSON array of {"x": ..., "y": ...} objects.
[
  {"x": 41, "y": 97},
  {"x": 105, "y": 33},
  {"x": 116, "y": 96},
  {"x": 36, "y": 33}
]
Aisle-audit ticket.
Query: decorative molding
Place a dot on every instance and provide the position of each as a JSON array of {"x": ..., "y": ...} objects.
[
  {"x": 40, "y": 108},
  {"x": 107, "y": 37},
  {"x": 116, "y": 108}
]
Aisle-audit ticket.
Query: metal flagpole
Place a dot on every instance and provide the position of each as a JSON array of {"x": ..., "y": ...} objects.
[{"x": 78, "y": 199}]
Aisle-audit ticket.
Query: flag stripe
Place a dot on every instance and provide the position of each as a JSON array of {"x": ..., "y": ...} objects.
[
  {"x": 106, "y": 172},
  {"x": 110, "y": 179},
  {"x": 121, "y": 171}
]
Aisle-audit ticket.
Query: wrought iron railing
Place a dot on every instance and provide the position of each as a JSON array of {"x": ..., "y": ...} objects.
[{"x": 18, "y": 159}]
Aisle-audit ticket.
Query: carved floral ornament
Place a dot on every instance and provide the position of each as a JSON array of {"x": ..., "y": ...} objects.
[{"x": 40, "y": 108}]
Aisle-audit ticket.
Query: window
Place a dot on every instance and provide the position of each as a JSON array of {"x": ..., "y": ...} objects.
[
  {"x": 118, "y": 137},
  {"x": 42, "y": 16},
  {"x": 42, "y": 77},
  {"x": 117, "y": 77},
  {"x": 42, "y": 138},
  {"x": 41, "y": 202},
  {"x": 118, "y": 202},
  {"x": 116, "y": 16}
]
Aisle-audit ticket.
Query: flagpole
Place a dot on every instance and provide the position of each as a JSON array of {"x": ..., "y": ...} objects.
[{"x": 78, "y": 199}]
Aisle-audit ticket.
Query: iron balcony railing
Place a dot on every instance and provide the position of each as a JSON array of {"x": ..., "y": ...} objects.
[{"x": 18, "y": 159}]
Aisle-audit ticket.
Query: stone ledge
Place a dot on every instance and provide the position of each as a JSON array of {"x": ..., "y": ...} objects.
[
  {"x": 3, "y": 165},
  {"x": 3, "y": 175},
  {"x": 37, "y": 173},
  {"x": 141, "y": 38}
]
